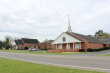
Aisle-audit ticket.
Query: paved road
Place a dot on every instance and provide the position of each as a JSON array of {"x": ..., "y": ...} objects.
[
  {"x": 80, "y": 62},
  {"x": 94, "y": 53}
]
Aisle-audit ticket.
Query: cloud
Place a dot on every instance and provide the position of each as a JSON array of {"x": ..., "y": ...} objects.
[{"x": 42, "y": 19}]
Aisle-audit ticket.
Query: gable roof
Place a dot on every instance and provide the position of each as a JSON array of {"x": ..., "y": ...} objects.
[
  {"x": 84, "y": 37},
  {"x": 19, "y": 41},
  {"x": 26, "y": 40},
  {"x": 71, "y": 38},
  {"x": 32, "y": 41}
]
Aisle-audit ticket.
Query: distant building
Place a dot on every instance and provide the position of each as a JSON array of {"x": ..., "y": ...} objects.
[
  {"x": 46, "y": 45},
  {"x": 26, "y": 43}
]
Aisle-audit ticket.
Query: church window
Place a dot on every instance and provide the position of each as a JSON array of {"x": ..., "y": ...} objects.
[{"x": 64, "y": 39}]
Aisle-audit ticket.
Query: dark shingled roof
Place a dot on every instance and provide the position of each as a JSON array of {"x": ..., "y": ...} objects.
[
  {"x": 32, "y": 41},
  {"x": 26, "y": 40},
  {"x": 49, "y": 41},
  {"x": 106, "y": 40},
  {"x": 87, "y": 38},
  {"x": 19, "y": 41}
]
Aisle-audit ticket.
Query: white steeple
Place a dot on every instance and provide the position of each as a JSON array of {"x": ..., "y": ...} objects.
[{"x": 69, "y": 26}]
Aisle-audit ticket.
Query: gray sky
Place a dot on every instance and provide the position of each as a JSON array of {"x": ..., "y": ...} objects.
[{"x": 43, "y": 19}]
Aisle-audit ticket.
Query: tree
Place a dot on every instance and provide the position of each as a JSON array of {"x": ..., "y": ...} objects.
[
  {"x": 1, "y": 44},
  {"x": 105, "y": 35},
  {"x": 7, "y": 43},
  {"x": 100, "y": 34},
  {"x": 45, "y": 40}
]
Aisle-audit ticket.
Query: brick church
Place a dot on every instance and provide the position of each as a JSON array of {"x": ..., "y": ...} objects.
[{"x": 72, "y": 42}]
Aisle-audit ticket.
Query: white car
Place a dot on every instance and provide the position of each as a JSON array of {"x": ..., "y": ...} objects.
[{"x": 32, "y": 49}]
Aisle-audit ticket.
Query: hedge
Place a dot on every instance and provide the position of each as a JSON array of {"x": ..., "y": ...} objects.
[{"x": 95, "y": 50}]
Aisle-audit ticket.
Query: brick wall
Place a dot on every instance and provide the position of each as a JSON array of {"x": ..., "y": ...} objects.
[
  {"x": 22, "y": 47},
  {"x": 84, "y": 45},
  {"x": 95, "y": 45},
  {"x": 45, "y": 46},
  {"x": 107, "y": 45}
]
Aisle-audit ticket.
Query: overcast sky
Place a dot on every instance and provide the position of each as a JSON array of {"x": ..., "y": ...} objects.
[{"x": 43, "y": 19}]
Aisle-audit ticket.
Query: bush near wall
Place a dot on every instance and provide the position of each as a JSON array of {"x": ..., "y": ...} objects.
[
  {"x": 90, "y": 50},
  {"x": 81, "y": 50},
  {"x": 95, "y": 50}
]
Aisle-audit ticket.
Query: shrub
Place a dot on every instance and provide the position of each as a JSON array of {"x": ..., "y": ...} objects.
[
  {"x": 90, "y": 50},
  {"x": 81, "y": 50},
  {"x": 97, "y": 49},
  {"x": 102, "y": 48},
  {"x": 106, "y": 48}
]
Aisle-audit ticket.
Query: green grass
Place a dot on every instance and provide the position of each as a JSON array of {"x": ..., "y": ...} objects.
[
  {"x": 107, "y": 55},
  {"x": 14, "y": 66},
  {"x": 20, "y": 51}
]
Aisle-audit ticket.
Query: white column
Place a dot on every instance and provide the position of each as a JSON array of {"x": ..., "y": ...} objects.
[
  {"x": 73, "y": 45},
  {"x": 80, "y": 45},
  {"x": 67, "y": 46},
  {"x": 61, "y": 46}
]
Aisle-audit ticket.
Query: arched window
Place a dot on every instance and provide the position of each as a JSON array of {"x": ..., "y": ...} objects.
[{"x": 64, "y": 39}]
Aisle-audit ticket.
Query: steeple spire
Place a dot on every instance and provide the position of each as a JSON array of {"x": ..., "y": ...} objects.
[{"x": 69, "y": 26}]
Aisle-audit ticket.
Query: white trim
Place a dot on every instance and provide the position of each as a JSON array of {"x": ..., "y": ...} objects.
[
  {"x": 69, "y": 39},
  {"x": 58, "y": 37},
  {"x": 67, "y": 46},
  {"x": 60, "y": 46},
  {"x": 80, "y": 45}
]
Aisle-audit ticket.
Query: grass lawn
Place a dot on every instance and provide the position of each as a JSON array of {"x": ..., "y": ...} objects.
[
  {"x": 14, "y": 66},
  {"x": 20, "y": 51},
  {"x": 107, "y": 55}
]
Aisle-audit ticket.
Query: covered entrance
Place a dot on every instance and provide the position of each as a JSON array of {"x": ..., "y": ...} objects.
[{"x": 67, "y": 46}]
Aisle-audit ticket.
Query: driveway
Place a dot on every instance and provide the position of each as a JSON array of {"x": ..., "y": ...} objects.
[{"x": 78, "y": 62}]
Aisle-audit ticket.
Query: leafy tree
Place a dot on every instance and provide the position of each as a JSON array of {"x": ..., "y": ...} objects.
[
  {"x": 45, "y": 40},
  {"x": 105, "y": 35},
  {"x": 1, "y": 44},
  {"x": 100, "y": 34},
  {"x": 7, "y": 43}
]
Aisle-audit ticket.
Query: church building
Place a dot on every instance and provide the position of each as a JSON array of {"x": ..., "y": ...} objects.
[{"x": 73, "y": 42}]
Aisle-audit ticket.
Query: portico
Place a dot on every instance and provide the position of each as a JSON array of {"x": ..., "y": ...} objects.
[{"x": 68, "y": 46}]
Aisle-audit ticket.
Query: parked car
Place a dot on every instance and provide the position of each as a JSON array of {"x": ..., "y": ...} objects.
[{"x": 32, "y": 49}]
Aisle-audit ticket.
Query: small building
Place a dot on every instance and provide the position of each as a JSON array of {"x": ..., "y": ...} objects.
[
  {"x": 46, "y": 45},
  {"x": 26, "y": 43}
]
